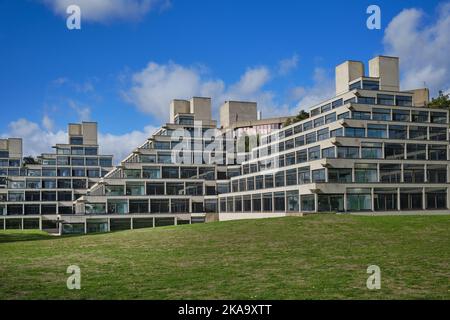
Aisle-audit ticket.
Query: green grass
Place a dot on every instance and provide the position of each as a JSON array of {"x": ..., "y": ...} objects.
[{"x": 314, "y": 257}]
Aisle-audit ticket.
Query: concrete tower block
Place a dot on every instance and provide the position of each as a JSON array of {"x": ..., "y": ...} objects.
[
  {"x": 236, "y": 111},
  {"x": 347, "y": 72},
  {"x": 201, "y": 108},
  {"x": 387, "y": 69},
  {"x": 178, "y": 106},
  {"x": 89, "y": 133}
]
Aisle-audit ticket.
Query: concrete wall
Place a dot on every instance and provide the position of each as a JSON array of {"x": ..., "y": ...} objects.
[
  {"x": 387, "y": 69},
  {"x": 346, "y": 73},
  {"x": 421, "y": 97},
  {"x": 237, "y": 111},
  {"x": 13, "y": 146},
  {"x": 201, "y": 108},
  {"x": 179, "y": 106},
  {"x": 87, "y": 130}
]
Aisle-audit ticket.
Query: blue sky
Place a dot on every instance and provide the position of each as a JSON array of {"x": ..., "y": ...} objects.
[{"x": 124, "y": 65}]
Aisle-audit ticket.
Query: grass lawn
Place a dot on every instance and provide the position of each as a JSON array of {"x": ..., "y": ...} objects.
[{"x": 312, "y": 257}]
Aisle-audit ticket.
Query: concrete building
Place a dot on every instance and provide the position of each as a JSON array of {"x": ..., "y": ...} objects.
[
  {"x": 372, "y": 148},
  {"x": 36, "y": 193}
]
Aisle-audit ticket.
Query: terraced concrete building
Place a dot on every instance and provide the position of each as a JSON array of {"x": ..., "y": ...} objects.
[
  {"x": 36, "y": 193},
  {"x": 372, "y": 148}
]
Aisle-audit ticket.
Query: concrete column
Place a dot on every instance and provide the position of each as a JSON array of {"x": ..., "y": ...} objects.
[
  {"x": 40, "y": 223},
  {"x": 345, "y": 201},
  {"x": 398, "y": 199},
  {"x": 424, "y": 199},
  {"x": 316, "y": 202},
  {"x": 22, "y": 224},
  {"x": 4, "y": 224},
  {"x": 175, "y": 221},
  {"x": 131, "y": 223},
  {"x": 372, "y": 195},
  {"x": 153, "y": 221},
  {"x": 109, "y": 224},
  {"x": 85, "y": 226}
]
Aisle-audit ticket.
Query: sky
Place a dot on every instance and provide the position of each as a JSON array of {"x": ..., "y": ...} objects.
[{"x": 132, "y": 57}]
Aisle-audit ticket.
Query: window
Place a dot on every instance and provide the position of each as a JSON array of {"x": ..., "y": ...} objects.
[
  {"x": 436, "y": 198},
  {"x": 188, "y": 172},
  {"x": 92, "y": 161},
  {"x": 390, "y": 173},
  {"x": 400, "y": 115},
  {"x": 348, "y": 152},
  {"x": 356, "y": 85},
  {"x": 319, "y": 122},
  {"x": 381, "y": 114},
  {"x": 78, "y": 172},
  {"x": 359, "y": 115},
  {"x": 279, "y": 179},
  {"x": 365, "y": 173},
  {"x": 78, "y": 161},
  {"x": 304, "y": 175},
  {"x": 329, "y": 152},
  {"x": 151, "y": 173},
  {"x": 78, "y": 151},
  {"x": 48, "y": 196},
  {"x": 299, "y": 141},
  {"x": 355, "y": 132},
  {"x": 206, "y": 173},
  {"x": 32, "y": 196},
  {"x": 279, "y": 201},
  {"x": 135, "y": 189},
  {"x": 114, "y": 190},
  {"x": 310, "y": 138},
  {"x": 337, "y": 133},
  {"x": 194, "y": 188},
  {"x": 405, "y": 101},
  {"x": 76, "y": 140},
  {"x": 307, "y": 126},
  {"x": 371, "y": 151},
  {"x": 66, "y": 196},
  {"x": 318, "y": 175},
  {"x": 308, "y": 203},
  {"x": 267, "y": 202},
  {"x": 419, "y": 116},
  {"x": 33, "y": 184},
  {"x": 256, "y": 201},
  {"x": 397, "y": 132},
  {"x": 385, "y": 99},
  {"x": 64, "y": 184},
  {"x": 337, "y": 103},
  {"x": 105, "y": 162},
  {"x": 418, "y": 133},
  {"x": 292, "y": 200},
  {"x": 322, "y": 134},
  {"x": 416, "y": 152},
  {"x": 438, "y": 117},
  {"x": 93, "y": 173},
  {"x": 314, "y": 153},
  {"x": 290, "y": 159},
  {"x": 436, "y": 174},
  {"x": 413, "y": 173},
  {"x": 385, "y": 199},
  {"x": 259, "y": 182},
  {"x": 371, "y": 85},
  {"x": 437, "y": 152},
  {"x": 251, "y": 183},
  {"x": 330, "y": 202},
  {"x": 377, "y": 131},
  {"x": 147, "y": 158},
  {"x": 175, "y": 188},
  {"x": 411, "y": 199},
  {"x": 359, "y": 200},
  {"x": 154, "y": 189},
  {"x": 438, "y": 134},
  {"x": 366, "y": 100},
  {"x": 315, "y": 112},
  {"x": 132, "y": 173},
  {"x": 301, "y": 156},
  {"x": 326, "y": 107},
  {"x": 345, "y": 115},
  {"x": 170, "y": 173},
  {"x": 63, "y": 161},
  {"x": 139, "y": 206},
  {"x": 329, "y": 118},
  {"x": 90, "y": 151},
  {"x": 339, "y": 175},
  {"x": 289, "y": 144},
  {"x": 394, "y": 151},
  {"x": 117, "y": 206},
  {"x": 291, "y": 177}
]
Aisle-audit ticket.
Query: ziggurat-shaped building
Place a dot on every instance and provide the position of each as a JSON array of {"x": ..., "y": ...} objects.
[{"x": 370, "y": 149}]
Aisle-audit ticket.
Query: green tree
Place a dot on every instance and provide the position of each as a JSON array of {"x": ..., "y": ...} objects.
[{"x": 442, "y": 101}]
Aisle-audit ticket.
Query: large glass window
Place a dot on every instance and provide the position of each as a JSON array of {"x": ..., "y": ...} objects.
[
  {"x": 194, "y": 188},
  {"x": 366, "y": 100},
  {"x": 179, "y": 206},
  {"x": 394, "y": 151},
  {"x": 405, "y": 101},
  {"x": 438, "y": 117},
  {"x": 355, "y": 132},
  {"x": 438, "y": 134},
  {"x": 135, "y": 189},
  {"x": 304, "y": 175},
  {"x": 359, "y": 200},
  {"x": 256, "y": 201},
  {"x": 436, "y": 198},
  {"x": 361, "y": 115},
  {"x": 279, "y": 201},
  {"x": 365, "y": 173},
  {"x": 329, "y": 152},
  {"x": 411, "y": 199},
  {"x": 308, "y": 203},
  {"x": 339, "y": 175},
  {"x": 279, "y": 179},
  {"x": 291, "y": 177},
  {"x": 111, "y": 190},
  {"x": 311, "y": 138},
  {"x": 390, "y": 173},
  {"x": 323, "y": 134},
  {"x": 302, "y": 156},
  {"x": 170, "y": 173},
  {"x": 151, "y": 173},
  {"x": 397, "y": 132},
  {"x": 139, "y": 206},
  {"x": 371, "y": 150},
  {"x": 418, "y": 133},
  {"x": 159, "y": 205},
  {"x": 376, "y": 131},
  {"x": 292, "y": 200},
  {"x": 330, "y": 117},
  {"x": 419, "y": 116},
  {"x": 400, "y": 115},
  {"x": 385, "y": 99},
  {"x": 381, "y": 114},
  {"x": 413, "y": 173},
  {"x": 318, "y": 175},
  {"x": 267, "y": 202},
  {"x": 348, "y": 152},
  {"x": 416, "y": 152},
  {"x": 314, "y": 153},
  {"x": 175, "y": 188},
  {"x": 437, "y": 174},
  {"x": 437, "y": 152},
  {"x": 330, "y": 202},
  {"x": 385, "y": 199}
]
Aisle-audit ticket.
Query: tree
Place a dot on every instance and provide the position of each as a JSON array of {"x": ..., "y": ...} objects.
[
  {"x": 302, "y": 115},
  {"x": 29, "y": 160},
  {"x": 441, "y": 102}
]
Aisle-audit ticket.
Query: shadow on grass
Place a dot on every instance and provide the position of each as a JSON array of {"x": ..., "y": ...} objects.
[{"x": 23, "y": 236}]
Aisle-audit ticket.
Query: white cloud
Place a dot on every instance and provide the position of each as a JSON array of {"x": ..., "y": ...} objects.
[
  {"x": 423, "y": 45},
  {"x": 38, "y": 139},
  {"x": 47, "y": 122},
  {"x": 323, "y": 88},
  {"x": 108, "y": 10},
  {"x": 285, "y": 66},
  {"x": 83, "y": 112}
]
